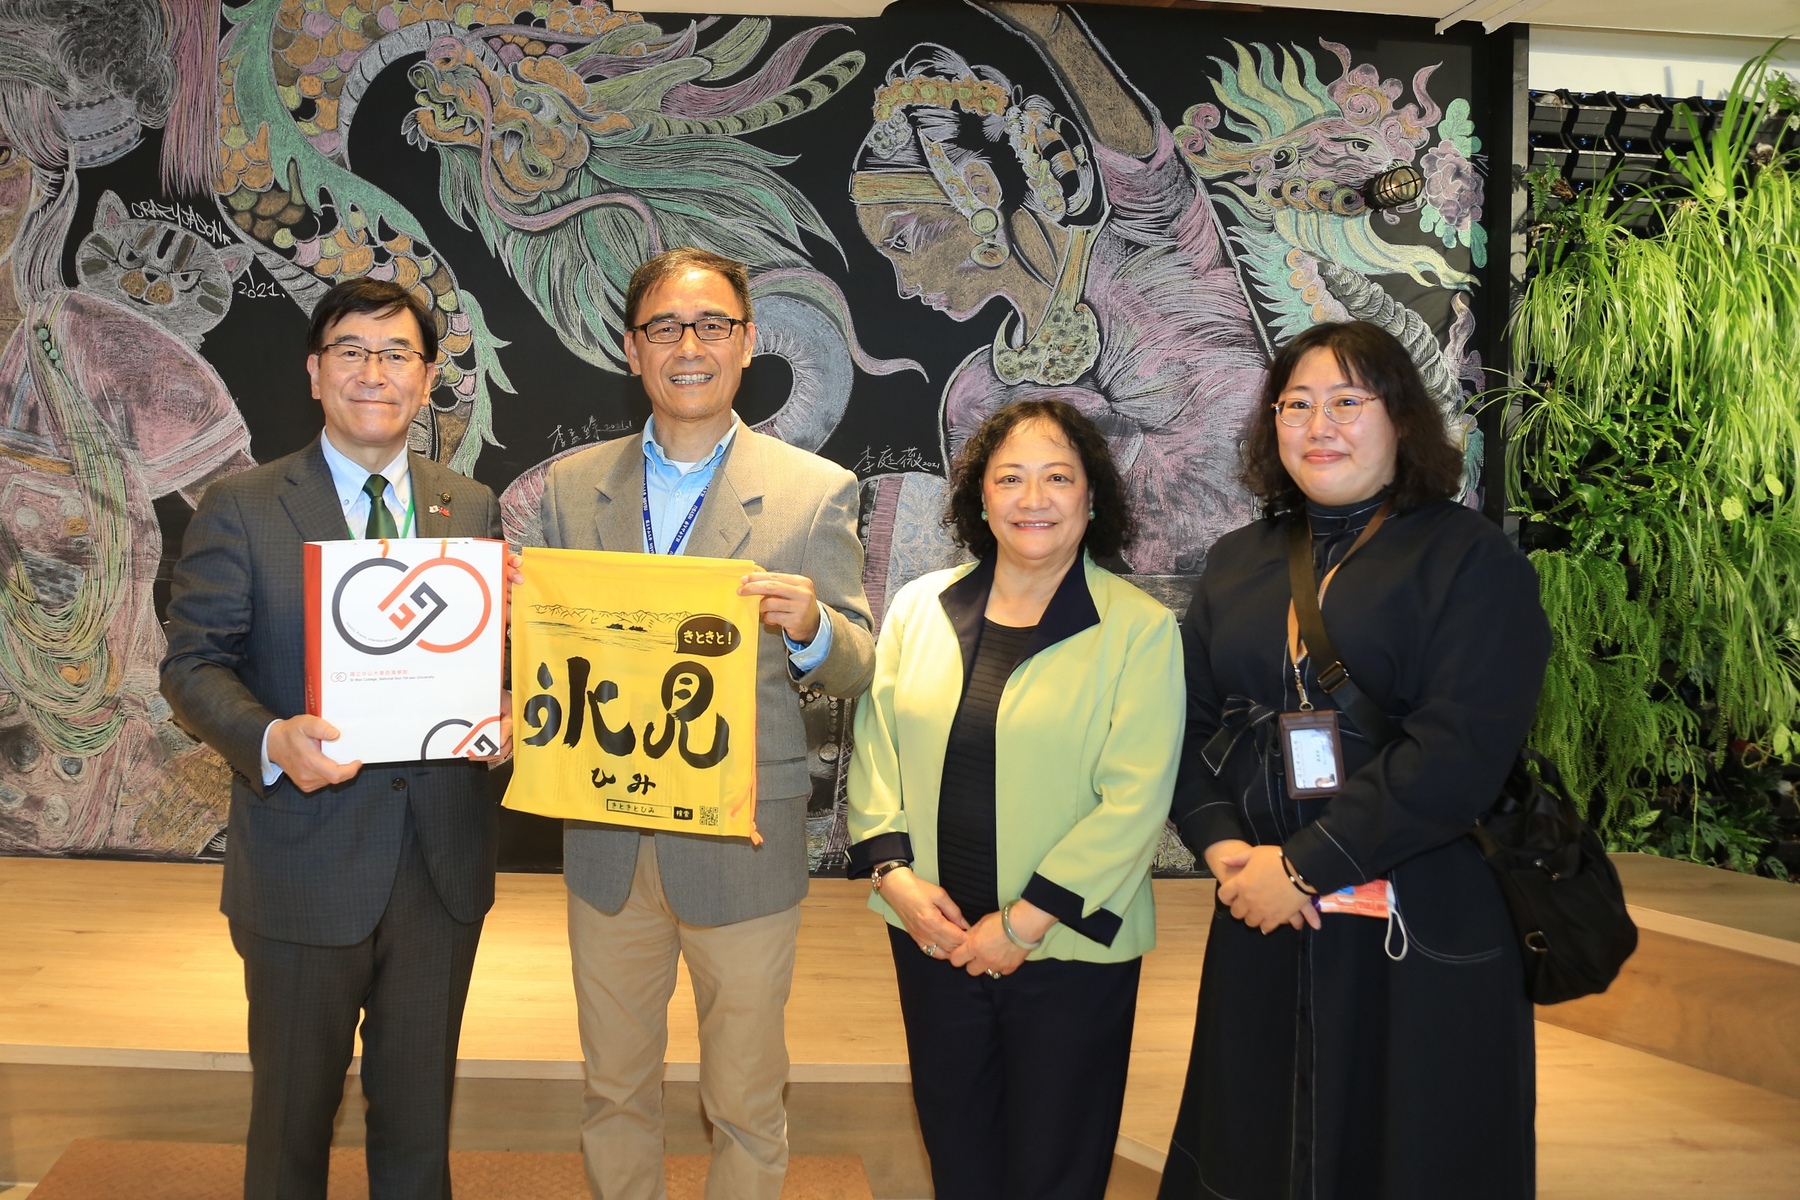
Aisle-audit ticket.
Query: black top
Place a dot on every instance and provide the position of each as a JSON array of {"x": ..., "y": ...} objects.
[{"x": 966, "y": 855}]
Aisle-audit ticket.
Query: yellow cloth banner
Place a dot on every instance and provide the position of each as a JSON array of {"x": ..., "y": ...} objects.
[{"x": 634, "y": 691}]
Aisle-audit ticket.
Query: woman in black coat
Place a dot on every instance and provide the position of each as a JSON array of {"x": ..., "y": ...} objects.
[{"x": 1336, "y": 1055}]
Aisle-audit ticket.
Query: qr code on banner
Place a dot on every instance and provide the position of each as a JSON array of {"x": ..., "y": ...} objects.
[{"x": 709, "y": 816}]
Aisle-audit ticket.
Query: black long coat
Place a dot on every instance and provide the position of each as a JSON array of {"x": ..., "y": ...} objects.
[{"x": 1370, "y": 1059}]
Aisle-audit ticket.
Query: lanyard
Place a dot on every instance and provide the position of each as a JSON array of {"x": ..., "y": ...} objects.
[
  {"x": 686, "y": 524},
  {"x": 1297, "y": 648},
  {"x": 405, "y": 528}
]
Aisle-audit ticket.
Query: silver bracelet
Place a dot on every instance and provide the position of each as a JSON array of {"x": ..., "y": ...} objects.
[
  {"x": 1297, "y": 879},
  {"x": 1006, "y": 924},
  {"x": 881, "y": 870}
]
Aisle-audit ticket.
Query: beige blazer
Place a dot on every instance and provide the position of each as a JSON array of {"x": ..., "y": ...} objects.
[{"x": 788, "y": 511}]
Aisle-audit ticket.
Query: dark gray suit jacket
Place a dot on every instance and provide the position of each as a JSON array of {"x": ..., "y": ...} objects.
[
  {"x": 788, "y": 511},
  {"x": 312, "y": 868}
]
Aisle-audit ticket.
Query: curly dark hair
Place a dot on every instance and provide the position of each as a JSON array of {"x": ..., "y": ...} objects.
[
  {"x": 1427, "y": 466},
  {"x": 1112, "y": 528}
]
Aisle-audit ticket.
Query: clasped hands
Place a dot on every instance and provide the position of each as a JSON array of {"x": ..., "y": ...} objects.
[
  {"x": 935, "y": 922},
  {"x": 1254, "y": 884}
]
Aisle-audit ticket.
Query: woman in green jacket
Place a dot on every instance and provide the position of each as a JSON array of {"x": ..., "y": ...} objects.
[{"x": 1014, "y": 762}]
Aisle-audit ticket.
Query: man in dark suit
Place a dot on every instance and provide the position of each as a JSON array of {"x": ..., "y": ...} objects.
[
  {"x": 698, "y": 481},
  {"x": 352, "y": 889}
]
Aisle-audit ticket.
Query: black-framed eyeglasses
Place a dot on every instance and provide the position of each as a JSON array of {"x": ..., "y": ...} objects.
[
  {"x": 391, "y": 358},
  {"x": 1339, "y": 410},
  {"x": 664, "y": 330}
]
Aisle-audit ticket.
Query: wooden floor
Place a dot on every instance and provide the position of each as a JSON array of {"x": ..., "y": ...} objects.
[{"x": 129, "y": 965}]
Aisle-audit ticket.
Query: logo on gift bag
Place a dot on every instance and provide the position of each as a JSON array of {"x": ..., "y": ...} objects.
[
  {"x": 378, "y": 614},
  {"x": 457, "y": 738}
]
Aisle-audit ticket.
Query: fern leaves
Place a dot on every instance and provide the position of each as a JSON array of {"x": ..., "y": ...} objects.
[{"x": 1657, "y": 453}]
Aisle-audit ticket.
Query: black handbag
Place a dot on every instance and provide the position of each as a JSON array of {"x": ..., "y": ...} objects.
[{"x": 1564, "y": 894}]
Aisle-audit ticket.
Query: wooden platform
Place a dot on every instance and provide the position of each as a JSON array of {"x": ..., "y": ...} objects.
[
  {"x": 119, "y": 978},
  {"x": 1715, "y": 982}
]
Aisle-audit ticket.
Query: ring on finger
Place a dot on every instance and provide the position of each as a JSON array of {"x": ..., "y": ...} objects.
[
  {"x": 930, "y": 950},
  {"x": 993, "y": 974}
]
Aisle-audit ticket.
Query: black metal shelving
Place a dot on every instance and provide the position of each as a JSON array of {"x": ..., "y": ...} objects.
[{"x": 1584, "y": 136}]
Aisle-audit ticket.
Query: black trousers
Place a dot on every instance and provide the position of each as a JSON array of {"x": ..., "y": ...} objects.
[
  {"x": 408, "y": 981},
  {"x": 1019, "y": 1081}
]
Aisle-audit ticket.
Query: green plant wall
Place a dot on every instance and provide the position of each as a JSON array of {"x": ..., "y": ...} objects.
[{"x": 1655, "y": 464}]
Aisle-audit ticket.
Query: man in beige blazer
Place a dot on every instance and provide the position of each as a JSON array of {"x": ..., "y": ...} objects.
[{"x": 698, "y": 481}]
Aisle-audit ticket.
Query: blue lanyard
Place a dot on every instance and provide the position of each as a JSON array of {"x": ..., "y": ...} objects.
[{"x": 686, "y": 524}]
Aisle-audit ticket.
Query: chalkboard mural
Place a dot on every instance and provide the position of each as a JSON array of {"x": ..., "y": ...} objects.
[{"x": 944, "y": 209}]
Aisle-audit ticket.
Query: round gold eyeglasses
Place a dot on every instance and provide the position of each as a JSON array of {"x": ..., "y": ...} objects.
[{"x": 1339, "y": 410}]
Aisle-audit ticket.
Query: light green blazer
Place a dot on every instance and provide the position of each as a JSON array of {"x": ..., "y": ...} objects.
[{"x": 1086, "y": 743}]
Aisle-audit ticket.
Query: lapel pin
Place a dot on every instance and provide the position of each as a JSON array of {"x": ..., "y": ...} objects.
[{"x": 443, "y": 504}]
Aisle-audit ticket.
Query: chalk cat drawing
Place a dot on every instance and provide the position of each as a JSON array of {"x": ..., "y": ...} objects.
[{"x": 158, "y": 270}]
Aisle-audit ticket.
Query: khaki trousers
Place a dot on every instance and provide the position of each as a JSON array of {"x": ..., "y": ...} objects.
[{"x": 624, "y": 976}]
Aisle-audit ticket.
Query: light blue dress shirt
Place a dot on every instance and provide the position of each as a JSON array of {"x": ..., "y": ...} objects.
[
  {"x": 348, "y": 478},
  {"x": 673, "y": 488}
]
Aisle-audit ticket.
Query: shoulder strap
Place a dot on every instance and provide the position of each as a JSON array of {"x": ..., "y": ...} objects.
[{"x": 1330, "y": 671}]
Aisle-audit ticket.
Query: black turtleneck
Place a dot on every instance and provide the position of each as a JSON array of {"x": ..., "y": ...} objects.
[{"x": 1335, "y": 527}]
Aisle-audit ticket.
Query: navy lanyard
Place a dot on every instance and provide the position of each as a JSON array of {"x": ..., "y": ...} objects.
[{"x": 686, "y": 524}]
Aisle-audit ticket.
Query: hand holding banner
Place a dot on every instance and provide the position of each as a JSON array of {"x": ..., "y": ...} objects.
[{"x": 634, "y": 691}]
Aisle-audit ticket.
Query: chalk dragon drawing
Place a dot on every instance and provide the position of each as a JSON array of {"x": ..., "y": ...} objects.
[
  {"x": 578, "y": 140},
  {"x": 576, "y": 166},
  {"x": 1288, "y": 157},
  {"x": 286, "y": 70}
]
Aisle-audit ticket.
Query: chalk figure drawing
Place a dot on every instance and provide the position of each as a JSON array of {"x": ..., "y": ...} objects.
[
  {"x": 1128, "y": 252},
  {"x": 102, "y": 409},
  {"x": 1128, "y": 255}
]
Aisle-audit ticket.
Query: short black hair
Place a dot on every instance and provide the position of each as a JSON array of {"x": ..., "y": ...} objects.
[
  {"x": 670, "y": 263},
  {"x": 1112, "y": 527},
  {"x": 1427, "y": 466},
  {"x": 379, "y": 297}
]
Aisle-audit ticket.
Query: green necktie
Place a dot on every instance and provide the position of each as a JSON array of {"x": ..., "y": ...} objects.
[{"x": 381, "y": 521}]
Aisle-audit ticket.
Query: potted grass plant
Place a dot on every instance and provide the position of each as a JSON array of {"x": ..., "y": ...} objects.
[{"x": 1654, "y": 462}]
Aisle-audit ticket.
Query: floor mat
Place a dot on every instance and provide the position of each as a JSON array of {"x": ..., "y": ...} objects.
[{"x": 92, "y": 1169}]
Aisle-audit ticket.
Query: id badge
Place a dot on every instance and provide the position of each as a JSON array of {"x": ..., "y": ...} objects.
[{"x": 1315, "y": 758}]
